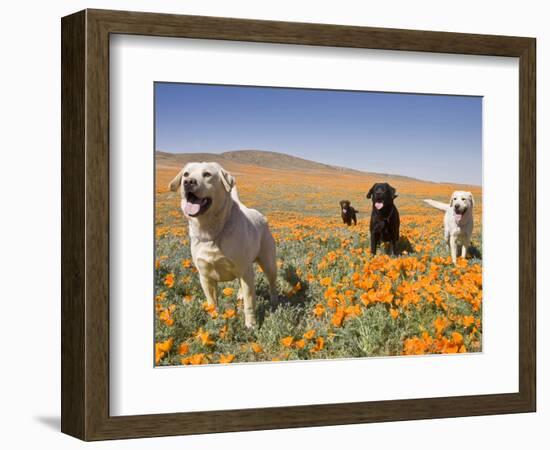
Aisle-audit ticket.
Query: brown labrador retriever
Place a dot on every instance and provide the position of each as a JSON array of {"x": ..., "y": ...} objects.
[{"x": 349, "y": 213}]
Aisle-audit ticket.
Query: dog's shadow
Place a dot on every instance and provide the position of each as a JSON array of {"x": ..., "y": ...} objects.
[
  {"x": 474, "y": 252},
  {"x": 404, "y": 246},
  {"x": 292, "y": 296}
]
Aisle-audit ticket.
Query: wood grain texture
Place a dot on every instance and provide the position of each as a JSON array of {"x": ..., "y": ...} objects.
[
  {"x": 97, "y": 225},
  {"x": 527, "y": 224},
  {"x": 152, "y": 24},
  {"x": 73, "y": 224},
  {"x": 85, "y": 224}
]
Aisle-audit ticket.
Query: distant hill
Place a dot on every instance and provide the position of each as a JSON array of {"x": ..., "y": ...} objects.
[{"x": 265, "y": 159}]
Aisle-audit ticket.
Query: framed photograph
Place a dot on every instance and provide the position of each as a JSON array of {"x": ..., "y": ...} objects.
[{"x": 273, "y": 225}]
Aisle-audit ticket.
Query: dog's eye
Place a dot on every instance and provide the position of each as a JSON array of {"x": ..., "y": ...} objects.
[
  {"x": 454, "y": 198},
  {"x": 463, "y": 199},
  {"x": 186, "y": 174},
  {"x": 206, "y": 174}
]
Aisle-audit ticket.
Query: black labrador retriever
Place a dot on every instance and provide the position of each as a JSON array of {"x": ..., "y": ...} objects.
[
  {"x": 348, "y": 212},
  {"x": 384, "y": 220}
]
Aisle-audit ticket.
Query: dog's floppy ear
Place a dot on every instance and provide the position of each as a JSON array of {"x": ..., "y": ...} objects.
[
  {"x": 471, "y": 198},
  {"x": 227, "y": 179},
  {"x": 451, "y": 201},
  {"x": 393, "y": 192},
  {"x": 176, "y": 182},
  {"x": 369, "y": 194},
  {"x": 342, "y": 203}
]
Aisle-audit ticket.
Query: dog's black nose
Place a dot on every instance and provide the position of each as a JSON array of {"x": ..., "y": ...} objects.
[{"x": 189, "y": 183}]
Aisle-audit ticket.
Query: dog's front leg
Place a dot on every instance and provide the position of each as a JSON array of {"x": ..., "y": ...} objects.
[
  {"x": 209, "y": 288},
  {"x": 452, "y": 248},
  {"x": 249, "y": 297},
  {"x": 373, "y": 244},
  {"x": 394, "y": 248}
]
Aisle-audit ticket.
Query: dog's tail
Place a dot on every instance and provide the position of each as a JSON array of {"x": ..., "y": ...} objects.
[{"x": 437, "y": 205}]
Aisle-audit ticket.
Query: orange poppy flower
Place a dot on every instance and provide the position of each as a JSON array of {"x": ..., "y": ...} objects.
[
  {"x": 319, "y": 310},
  {"x": 228, "y": 291},
  {"x": 197, "y": 359},
  {"x": 338, "y": 317},
  {"x": 256, "y": 348},
  {"x": 287, "y": 341},
  {"x": 226, "y": 359},
  {"x": 169, "y": 280},
  {"x": 183, "y": 348},
  {"x": 319, "y": 344},
  {"x": 223, "y": 332},
  {"x": 204, "y": 337},
  {"x": 228, "y": 314},
  {"x": 309, "y": 334},
  {"x": 457, "y": 338},
  {"x": 210, "y": 309},
  {"x": 467, "y": 321}
]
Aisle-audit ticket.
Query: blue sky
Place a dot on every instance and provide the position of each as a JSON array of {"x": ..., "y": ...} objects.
[{"x": 431, "y": 137}]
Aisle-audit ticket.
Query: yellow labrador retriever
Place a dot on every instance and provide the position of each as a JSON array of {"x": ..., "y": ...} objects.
[
  {"x": 226, "y": 237},
  {"x": 458, "y": 221}
]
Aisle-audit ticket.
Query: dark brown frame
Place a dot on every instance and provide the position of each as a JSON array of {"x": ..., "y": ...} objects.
[{"x": 85, "y": 224}]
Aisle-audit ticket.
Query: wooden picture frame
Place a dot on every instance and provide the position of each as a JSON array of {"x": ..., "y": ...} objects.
[{"x": 85, "y": 224}]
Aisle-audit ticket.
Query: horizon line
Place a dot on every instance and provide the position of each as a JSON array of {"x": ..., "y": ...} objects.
[{"x": 326, "y": 164}]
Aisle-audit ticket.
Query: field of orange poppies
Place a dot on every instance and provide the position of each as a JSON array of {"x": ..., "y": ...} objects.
[{"x": 336, "y": 299}]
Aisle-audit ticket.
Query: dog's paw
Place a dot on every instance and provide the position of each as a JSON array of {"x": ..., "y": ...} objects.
[{"x": 250, "y": 322}]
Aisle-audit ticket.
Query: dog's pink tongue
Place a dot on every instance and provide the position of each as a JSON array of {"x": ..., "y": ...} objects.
[
  {"x": 191, "y": 208},
  {"x": 378, "y": 205},
  {"x": 458, "y": 217}
]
